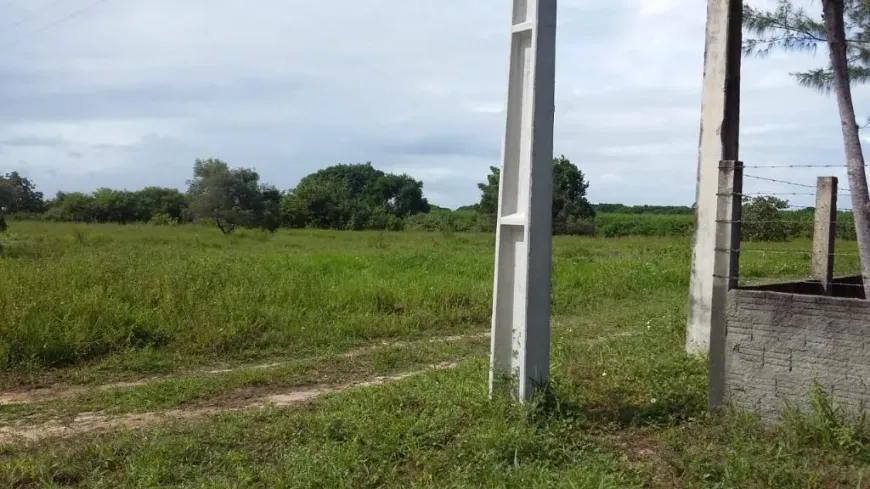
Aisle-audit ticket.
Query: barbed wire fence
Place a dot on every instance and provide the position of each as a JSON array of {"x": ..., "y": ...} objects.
[{"x": 794, "y": 224}]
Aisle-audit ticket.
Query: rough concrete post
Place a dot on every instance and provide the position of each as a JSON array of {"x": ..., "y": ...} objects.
[
  {"x": 720, "y": 125},
  {"x": 824, "y": 232},
  {"x": 726, "y": 266},
  {"x": 520, "y": 349}
]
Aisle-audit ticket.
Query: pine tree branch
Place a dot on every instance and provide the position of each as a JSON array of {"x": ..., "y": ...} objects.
[
  {"x": 791, "y": 29},
  {"x": 822, "y": 79},
  {"x": 784, "y": 18}
]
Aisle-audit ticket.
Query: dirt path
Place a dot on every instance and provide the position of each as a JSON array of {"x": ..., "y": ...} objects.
[
  {"x": 43, "y": 394},
  {"x": 92, "y": 422}
]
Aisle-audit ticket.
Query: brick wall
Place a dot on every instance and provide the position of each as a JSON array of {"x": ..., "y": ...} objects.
[{"x": 777, "y": 343}]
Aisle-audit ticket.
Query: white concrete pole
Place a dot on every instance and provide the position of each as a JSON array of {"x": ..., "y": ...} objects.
[
  {"x": 521, "y": 295},
  {"x": 720, "y": 126}
]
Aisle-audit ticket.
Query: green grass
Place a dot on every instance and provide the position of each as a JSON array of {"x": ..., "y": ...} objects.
[
  {"x": 625, "y": 409},
  {"x": 150, "y": 299},
  {"x": 153, "y": 299}
]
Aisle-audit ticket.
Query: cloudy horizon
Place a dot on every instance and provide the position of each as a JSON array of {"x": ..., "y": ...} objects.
[{"x": 128, "y": 93}]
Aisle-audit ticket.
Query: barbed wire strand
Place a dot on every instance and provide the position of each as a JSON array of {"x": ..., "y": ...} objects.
[
  {"x": 786, "y": 182},
  {"x": 34, "y": 14},
  {"x": 66, "y": 18},
  {"x": 775, "y": 221},
  {"x": 798, "y": 166},
  {"x": 774, "y": 194},
  {"x": 781, "y": 251},
  {"x": 767, "y": 281}
]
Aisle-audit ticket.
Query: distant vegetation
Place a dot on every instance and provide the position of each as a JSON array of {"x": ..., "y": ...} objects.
[{"x": 361, "y": 197}]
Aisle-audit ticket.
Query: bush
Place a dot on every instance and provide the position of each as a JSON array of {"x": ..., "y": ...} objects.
[
  {"x": 25, "y": 216},
  {"x": 444, "y": 220},
  {"x": 763, "y": 220},
  {"x": 624, "y": 225},
  {"x": 162, "y": 219},
  {"x": 575, "y": 227}
]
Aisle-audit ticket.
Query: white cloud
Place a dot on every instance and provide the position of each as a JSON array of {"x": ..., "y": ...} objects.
[{"x": 129, "y": 92}]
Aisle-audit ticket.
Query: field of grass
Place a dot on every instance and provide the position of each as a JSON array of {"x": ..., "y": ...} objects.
[{"x": 187, "y": 359}]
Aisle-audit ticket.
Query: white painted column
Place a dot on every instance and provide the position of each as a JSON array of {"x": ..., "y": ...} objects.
[
  {"x": 720, "y": 126},
  {"x": 521, "y": 296}
]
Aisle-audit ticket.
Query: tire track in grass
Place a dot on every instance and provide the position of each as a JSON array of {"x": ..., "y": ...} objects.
[
  {"x": 92, "y": 422},
  {"x": 45, "y": 394},
  {"x": 85, "y": 423}
]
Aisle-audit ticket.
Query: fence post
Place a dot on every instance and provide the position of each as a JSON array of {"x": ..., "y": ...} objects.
[
  {"x": 719, "y": 140},
  {"x": 824, "y": 233},
  {"x": 726, "y": 265}
]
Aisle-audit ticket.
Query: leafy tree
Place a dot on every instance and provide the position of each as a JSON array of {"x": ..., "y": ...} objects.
[
  {"x": 488, "y": 204},
  {"x": 151, "y": 201},
  {"x": 570, "y": 206},
  {"x": 108, "y": 205},
  {"x": 353, "y": 196},
  {"x": 270, "y": 217},
  {"x": 18, "y": 194},
  {"x": 72, "y": 206},
  {"x": 229, "y": 197},
  {"x": 5, "y": 196},
  {"x": 762, "y": 219},
  {"x": 119, "y": 206}
]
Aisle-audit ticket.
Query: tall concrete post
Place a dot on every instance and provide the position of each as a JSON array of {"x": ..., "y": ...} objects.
[
  {"x": 726, "y": 267},
  {"x": 824, "y": 232},
  {"x": 521, "y": 296},
  {"x": 720, "y": 126}
]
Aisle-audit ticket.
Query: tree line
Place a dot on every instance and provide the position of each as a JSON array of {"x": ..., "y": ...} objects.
[
  {"x": 359, "y": 196},
  {"x": 343, "y": 196}
]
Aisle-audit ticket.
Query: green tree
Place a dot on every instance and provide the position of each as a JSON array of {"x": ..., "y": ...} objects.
[
  {"x": 762, "y": 219},
  {"x": 353, "y": 196},
  {"x": 151, "y": 201},
  {"x": 108, "y": 205},
  {"x": 488, "y": 204},
  {"x": 229, "y": 197},
  {"x": 571, "y": 209},
  {"x": 72, "y": 206},
  {"x": 18, "y": 194},
  {"x": 119, "y": 206}
]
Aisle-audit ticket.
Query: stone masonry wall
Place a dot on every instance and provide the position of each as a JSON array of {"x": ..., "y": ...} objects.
[{"x": 777, "y": 343}]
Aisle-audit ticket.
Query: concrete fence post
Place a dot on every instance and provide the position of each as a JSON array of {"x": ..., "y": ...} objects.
[
  {"x": 726, "y": 266},
  {"x": 719, "y": 140},
  {"x": 824, "y": 233}
]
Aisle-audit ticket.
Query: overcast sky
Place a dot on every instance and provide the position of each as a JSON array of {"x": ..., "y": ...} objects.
[{"x": 130, "y": 92}]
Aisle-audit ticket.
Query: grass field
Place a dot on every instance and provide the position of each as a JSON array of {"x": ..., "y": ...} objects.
[{"x": 175, "y": 357}]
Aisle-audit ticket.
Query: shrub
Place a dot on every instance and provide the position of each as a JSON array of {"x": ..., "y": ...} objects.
[
  {"x": 162, "y": 219},
  {"x": 762, "y": 219},
  {"x": 624, "y": 225}
]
